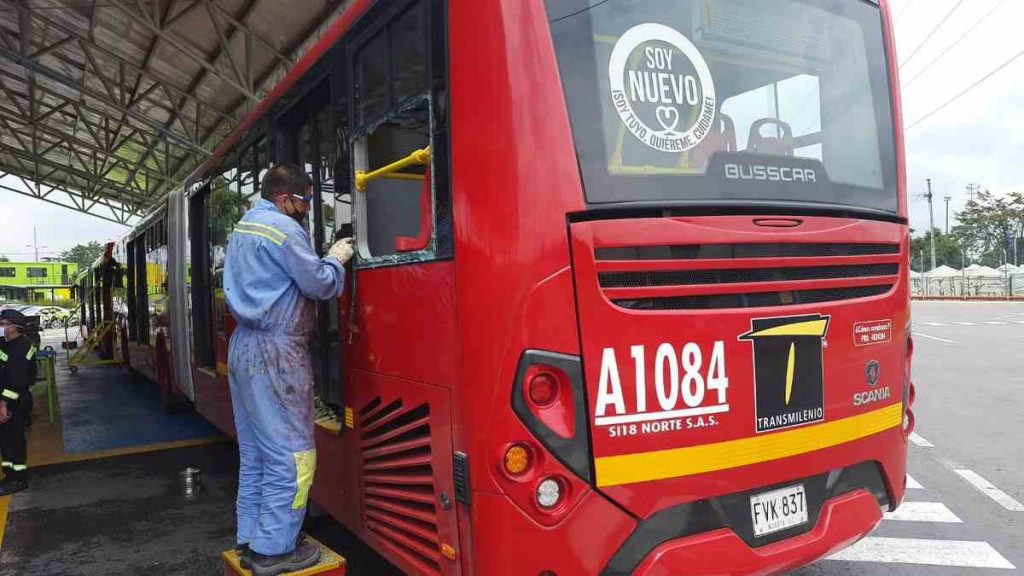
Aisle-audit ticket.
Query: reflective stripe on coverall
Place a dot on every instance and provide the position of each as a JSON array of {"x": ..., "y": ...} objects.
[{"x": 270, "y": 275}]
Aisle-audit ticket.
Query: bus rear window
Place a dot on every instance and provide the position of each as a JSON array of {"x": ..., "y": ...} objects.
[{"x": 728, "y": 100}]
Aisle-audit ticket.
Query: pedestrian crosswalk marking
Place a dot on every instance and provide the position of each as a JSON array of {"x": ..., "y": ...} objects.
[
  {"x": 996, "y": 323},
  {"x": 913, "y": 484},
  {"x": 918, "y": 440},
  {"x": 923, "y": 512},
  {"x": 988, "y": 489},
  {"x": 939, "y": 324},
  {"x": 965, "y": 323},
  {"x": 956, "y": 553}
]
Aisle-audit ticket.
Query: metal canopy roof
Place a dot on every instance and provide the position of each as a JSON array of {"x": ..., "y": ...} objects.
[{"x": 106, "y": 105}]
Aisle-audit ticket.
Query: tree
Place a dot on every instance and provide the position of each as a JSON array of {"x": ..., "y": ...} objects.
[
  {"x": 947, "y": 251},
  {"x": 83, "y": 254},
  {"x": 990, "y": 227},
  {"x": 4, "y": 258}
]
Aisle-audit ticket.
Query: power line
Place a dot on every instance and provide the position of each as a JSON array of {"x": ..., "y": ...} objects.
[
  {"x": 932, "y": 33},
  {"x": 904, "y": 9},
  {"x": 953, "y": 45},
  {"x": 966, "y": 90}
]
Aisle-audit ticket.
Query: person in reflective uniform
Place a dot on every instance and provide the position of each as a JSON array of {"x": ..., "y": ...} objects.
[
  {"x": 272, "y": 275},
  {"x": 17, "y": 373}
]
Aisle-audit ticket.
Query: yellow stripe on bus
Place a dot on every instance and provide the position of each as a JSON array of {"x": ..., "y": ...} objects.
[{"x": 647, "y": 466}]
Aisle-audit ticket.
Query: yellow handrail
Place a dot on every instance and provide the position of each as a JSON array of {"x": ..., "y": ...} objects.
[{"x": 419, "y": 157}]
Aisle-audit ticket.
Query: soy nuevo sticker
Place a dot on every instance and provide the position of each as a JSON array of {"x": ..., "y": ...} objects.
[{"x": 662, "y": 88}]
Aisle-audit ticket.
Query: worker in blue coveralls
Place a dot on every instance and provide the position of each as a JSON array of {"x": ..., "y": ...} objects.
[{"x": 271, "y": 277}]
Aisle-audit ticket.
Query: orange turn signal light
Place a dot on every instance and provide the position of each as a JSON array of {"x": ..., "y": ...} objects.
[{"x": 517, "y": 459}]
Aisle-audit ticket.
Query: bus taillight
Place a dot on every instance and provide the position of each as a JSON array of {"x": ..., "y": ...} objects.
[
  {"x": 550, "y": 492},
  {"x": 547, "y": 396},
  {"x": 517, "y": 459},
  {"x": 909, "y": 394},
  {"x": 543, "y": 390}
]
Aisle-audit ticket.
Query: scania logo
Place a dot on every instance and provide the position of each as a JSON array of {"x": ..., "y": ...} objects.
[{"x": 871, "y": 373}]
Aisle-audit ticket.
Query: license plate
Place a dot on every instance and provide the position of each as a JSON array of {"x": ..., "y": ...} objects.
[{"x": 778, "y": 509}]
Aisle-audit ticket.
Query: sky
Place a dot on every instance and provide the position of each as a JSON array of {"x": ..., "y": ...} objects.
[
  {"x": 57, "y": 228},
  {"x": 977, "y": 139}
]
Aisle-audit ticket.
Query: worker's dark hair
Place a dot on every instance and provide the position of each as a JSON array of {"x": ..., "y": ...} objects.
[{"x": 285, "y": 179}]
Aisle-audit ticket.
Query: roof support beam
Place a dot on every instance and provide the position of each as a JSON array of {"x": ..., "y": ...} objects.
[
  {"x": 92, "y": 179},
  {"x": 243, "y": 16},
  {"x": 72, "y": 83},
  {"x": 181, "y": 46},
  {"x": 130, "y": 66}
]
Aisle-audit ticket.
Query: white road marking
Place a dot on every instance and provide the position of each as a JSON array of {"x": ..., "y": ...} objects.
[
  {"x": 917, "y": 439},
  {"x": 995, "y": 323},
  {"x": 957, "y": 553},
  {"x": 939, "y": 324},
  {"x": 923, "y": 512},
  {"x": 913, "y": 484},
  {"x": 966, "y": 323},
  {"x": 986, "y": 487},
  {"x": 1018, "y": 321},
  {"x": 936, "y": 338}
]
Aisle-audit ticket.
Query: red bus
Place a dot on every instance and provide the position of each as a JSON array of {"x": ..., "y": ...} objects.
[{"x": 631, "y": 290}]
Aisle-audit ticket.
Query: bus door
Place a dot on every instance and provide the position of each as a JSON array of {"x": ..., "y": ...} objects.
[
  {"x": 307, "y": 137},
  {"x": 401, "y": 327}
]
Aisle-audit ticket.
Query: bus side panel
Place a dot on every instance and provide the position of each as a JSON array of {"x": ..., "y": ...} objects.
[
  {"x": 336, "y": 485},
  {"x": 213, "y": 399},
  {"x": 399, "y": 364},
  {"x": 405, "y": 318},
  {"x": 402, "y": 442},
  {"x": 514, "y": 179},
  {"x": 599, "y": 530}
]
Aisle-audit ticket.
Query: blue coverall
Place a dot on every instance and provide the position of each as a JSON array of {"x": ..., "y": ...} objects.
[{"x": 271, "y": 275}]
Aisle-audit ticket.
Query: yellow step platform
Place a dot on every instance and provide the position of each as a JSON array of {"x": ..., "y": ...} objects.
[{"x": 331, "y": 564}]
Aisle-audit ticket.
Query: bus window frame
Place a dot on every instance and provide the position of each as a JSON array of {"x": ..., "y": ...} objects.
[
  {"x": 354, "y": 133},
  {"x": 200, "y": 302}
]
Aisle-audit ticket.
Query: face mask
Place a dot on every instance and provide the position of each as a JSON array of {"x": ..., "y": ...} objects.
[{"x": 295, "y": 214}]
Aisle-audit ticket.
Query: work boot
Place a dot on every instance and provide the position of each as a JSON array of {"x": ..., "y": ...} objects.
[
  {"x": 243, "y": 555},
  {"x": 306, "y": 554},
  {"x": 10, "y": 485},
  {"x": 243, "y": 551}
]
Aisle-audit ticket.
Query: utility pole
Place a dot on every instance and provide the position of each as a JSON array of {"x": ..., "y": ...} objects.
[
  {"x": 947, "y": 199},
  {"x": 971, "y": 189},
  {"x": 931, "y": 220},
  {"x": 35, "y": 241}
]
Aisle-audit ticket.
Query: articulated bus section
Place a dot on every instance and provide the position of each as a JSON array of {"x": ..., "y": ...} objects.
[{"x": 630, "y": 291}]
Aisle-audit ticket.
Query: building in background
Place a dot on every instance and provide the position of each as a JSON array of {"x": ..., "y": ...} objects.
[{"x": 45, "y": 281}]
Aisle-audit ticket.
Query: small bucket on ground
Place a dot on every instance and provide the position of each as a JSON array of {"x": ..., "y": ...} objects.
[{"x": 190, "y": 480}]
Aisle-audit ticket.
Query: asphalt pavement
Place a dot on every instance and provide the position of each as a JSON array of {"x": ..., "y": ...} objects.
[{"x": 965, "y": 513}]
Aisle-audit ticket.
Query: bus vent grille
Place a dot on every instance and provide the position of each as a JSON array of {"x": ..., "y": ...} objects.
[
  {"x": 398, "y": 481},
  {"x": 717, "y": 276},
  {"x": 767, "y": 250},
  {"x": 754, "y": 299},
  {"x": 691, "y": 277}
]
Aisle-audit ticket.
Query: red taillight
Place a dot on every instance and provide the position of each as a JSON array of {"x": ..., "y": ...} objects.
[
  {"x": 543, "y": 390},
  {"x": 909, "y": 394},
  {"x": 908, "y": 360}
]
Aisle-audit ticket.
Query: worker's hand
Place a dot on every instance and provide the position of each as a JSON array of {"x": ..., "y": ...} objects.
[
  {"x": 4, "y": 414},
  {"x": 342, "y": 250}
]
